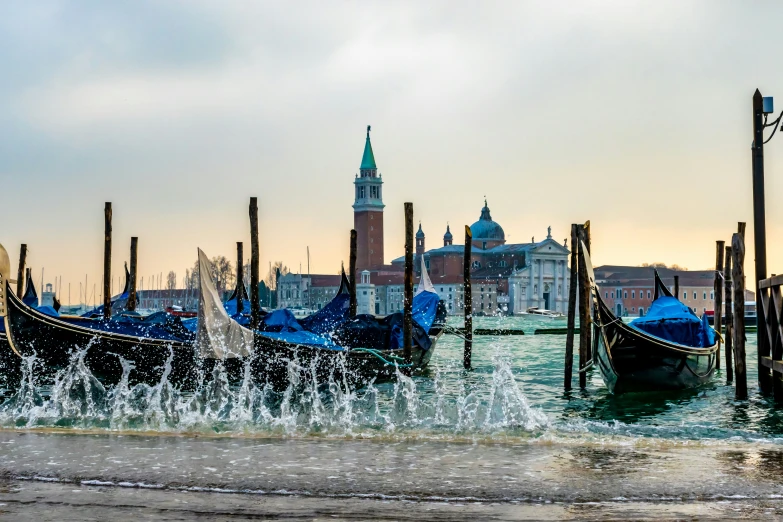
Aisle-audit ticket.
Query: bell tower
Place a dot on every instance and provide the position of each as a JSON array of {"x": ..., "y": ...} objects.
[{"x": 368, "y": 211}]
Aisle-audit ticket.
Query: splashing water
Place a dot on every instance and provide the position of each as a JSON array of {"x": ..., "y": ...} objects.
[
  {"x": 305, "y": 407},
  {"x": 514, "y": 390}
]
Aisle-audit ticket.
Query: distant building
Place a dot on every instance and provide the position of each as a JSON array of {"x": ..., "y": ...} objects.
[
  {"x": 521, "y": 275},
  {"x": 629, "y": 290}
]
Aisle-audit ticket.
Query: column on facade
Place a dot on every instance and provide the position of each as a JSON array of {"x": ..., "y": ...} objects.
[
  {"x": 540, "y": 295},
  {"x": 554, "y": 284}
]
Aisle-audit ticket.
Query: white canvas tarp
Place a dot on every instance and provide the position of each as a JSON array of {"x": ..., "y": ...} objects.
[
  {"x": 425, "y": 285},
  {"x": 218, "y": 336}
]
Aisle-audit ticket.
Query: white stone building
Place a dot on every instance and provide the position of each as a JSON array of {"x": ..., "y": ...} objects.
[{"x": 543, "y": 281}]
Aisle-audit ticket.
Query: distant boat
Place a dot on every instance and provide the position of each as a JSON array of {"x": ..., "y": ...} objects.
[
  {"x": 668, "y": 349},
  {"x": 750, "y": 315},
  {"x": 542, "y": 312}
]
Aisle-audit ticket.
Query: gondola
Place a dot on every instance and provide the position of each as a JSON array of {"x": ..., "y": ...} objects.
[
  {"x": 633, "y": 360},
  {"x": 155, "y": 352}
]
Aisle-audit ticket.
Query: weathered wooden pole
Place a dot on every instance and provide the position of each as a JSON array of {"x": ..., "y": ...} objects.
[
  {"x": 759, "y": 237},
  {"x": 718, "y": 294},
  {"x": 132, "y": 300},
  {"x": 572, "y": 285},
  {"x": 584, "y": 309},
  {"x": 107, "y": 261},
  {"x": 729, "y": 348},
  {"x": 677, "y": 287},
  {"x": 407, "y": 312},
  {"x": 255, "y": 304},
  {"x": 738, "y": 276},
  {"x": 240, "y": 278},
  {"x": 467, "y": 299},
  {"x": 352, "y": 274},
  {"x": 20, "y": 282}
]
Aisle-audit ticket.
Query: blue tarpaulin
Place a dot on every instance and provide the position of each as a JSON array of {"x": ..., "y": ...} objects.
[
  {"x": 672, "y": 321},
  {"x": 425, "y": 306}
]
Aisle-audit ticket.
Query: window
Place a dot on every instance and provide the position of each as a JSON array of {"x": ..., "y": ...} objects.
[
  {"x": 612, "y": 295},
  {"x": 633, "y": 294},
  {"x": 684, "y": 296},
  {"x": 633, "y": 309},
  {"x": 705, "y": 295},
  {"x": 482, "y": 306},
  {"x": 606, "y": 295},
  {"x": 694, "y": 296},
  {"x": 626, "y": 294},
  {"x": 648, "y": 294},
  {"x": 712, "y": 295},
  {"x": 641, "y": 312}
]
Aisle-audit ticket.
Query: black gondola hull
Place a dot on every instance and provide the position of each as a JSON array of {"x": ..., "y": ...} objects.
[
  {"x": 55, "y": 342},
  {"x": 632, "y": 361}
]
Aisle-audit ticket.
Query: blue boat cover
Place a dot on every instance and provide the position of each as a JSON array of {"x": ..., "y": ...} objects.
[
  {"x": 672, "y": 321},
  {"x": 231, "y": 307},
  {"x": 425, "y": 307},
  {"x": 327, "y": 318}
]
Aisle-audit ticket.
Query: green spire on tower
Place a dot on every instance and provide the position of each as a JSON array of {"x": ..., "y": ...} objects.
[{"x": 368, "y": 159}]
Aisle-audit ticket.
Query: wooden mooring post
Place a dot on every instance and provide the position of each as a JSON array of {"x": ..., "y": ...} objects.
[
  {"x": 738, "y": 277},
  {"x": 240, "y": 278},
  {"x": 569, "y": 355},
  {"x": 107, "y": 260},
  {"x": 20, "y": 273},
  {"x": 467, "y": 299},
  {"x": 728, "y": 338},
  {"x": 255, "y": 303},
  {"x": 134, "y": 248},
  {"x": 677, "y": 288},
  {"x": 352, "y": 274},
  {"x": 407, "y": 311},
  {"x": 717, "y": 289},
  {"x": 584, "y": 306}
]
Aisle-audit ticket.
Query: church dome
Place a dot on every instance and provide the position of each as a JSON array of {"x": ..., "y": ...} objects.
[
  {"x": 485, "y": 228},
  {"x": 420, "y": 233},
  {"x": 447, "y": 236}
]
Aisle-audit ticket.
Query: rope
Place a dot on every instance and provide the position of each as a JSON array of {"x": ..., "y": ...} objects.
[
  {"x": 603, "y": 325},
  {"x": 397, "y": 360},
  {"x": 586, "y": 367},
  {"x": 453, "y": 331}
]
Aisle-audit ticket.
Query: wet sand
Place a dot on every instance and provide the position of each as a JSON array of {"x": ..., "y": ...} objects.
[{"x": 55, "y": 476}]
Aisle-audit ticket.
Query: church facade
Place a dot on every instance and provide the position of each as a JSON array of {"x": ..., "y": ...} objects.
[{"x": 506, "y": 278}]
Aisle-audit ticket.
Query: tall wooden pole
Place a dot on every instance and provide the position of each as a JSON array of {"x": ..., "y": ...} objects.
[
  {"x": 20, "y": 273},
  {"x": 572, "y": 285},
  {"x": 584, "y": 310},
  {"x": 107, "y": 261},
  {"x": 240, "y": 278},
  {"x": 759, "y": 237},
  {"x": 467, "y": 298},
  {"x": 729, "y": 348},
  {"x": 407, "y": 314},
  {"x": 352, "y": 274},
  {"x": 718, "y": 293},
  {"x": 133, "y": 270},
  {"x": 255, "y": 304},
  {"x": 738, "y": 276}
]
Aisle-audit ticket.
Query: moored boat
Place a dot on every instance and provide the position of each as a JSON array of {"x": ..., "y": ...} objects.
[
  {"x": 156, "y": 350},
  {"x": 668, "y": 349}
]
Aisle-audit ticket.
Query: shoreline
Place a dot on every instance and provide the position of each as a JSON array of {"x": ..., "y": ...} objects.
[{"x": 41, "y": 501}]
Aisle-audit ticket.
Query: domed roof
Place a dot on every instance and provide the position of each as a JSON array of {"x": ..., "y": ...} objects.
[
  {"x": 447, "y": 235},
  {"x": 485, "y": 228},
  {"x": 420, "y": 233}
]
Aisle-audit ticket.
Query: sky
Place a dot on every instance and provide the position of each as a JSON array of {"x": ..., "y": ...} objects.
[{"x": 633, "y": 115}]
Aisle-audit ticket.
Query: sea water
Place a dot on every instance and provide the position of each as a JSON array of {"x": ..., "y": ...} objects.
[{"x": 515, "y": 389}]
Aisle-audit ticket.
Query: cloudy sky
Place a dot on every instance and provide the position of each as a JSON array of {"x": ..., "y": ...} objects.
[{"x": 634, "y": 115}]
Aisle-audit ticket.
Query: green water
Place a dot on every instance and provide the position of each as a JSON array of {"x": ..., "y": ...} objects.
[{"x": 514, "y": 391}]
